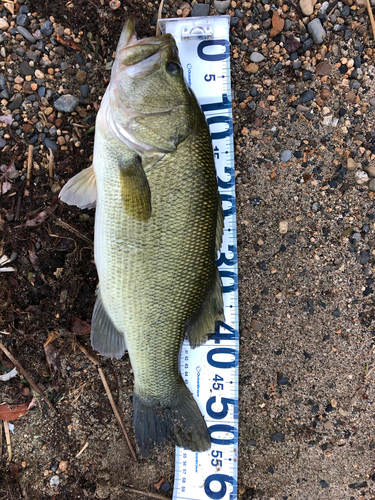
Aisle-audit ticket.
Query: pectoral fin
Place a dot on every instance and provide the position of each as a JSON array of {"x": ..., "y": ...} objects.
[
  {"x": 105, "y": 338},
  {"x": 80, "y": 190},
  {"x": 135, "y": 190}
]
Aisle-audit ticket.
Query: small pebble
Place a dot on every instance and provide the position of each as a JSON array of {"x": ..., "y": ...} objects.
[
  {"x": 200, "y": 10},
  {"x": 286, "y": 155},
  {"x": 277, "y": 437},
  {"x": 316, "y": 31},
  {"x": 66, "y": 103}
]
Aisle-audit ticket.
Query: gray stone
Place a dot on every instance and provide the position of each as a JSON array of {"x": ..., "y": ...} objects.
[
  {"x": 64, "y": 66},
  {"x": 221, "y": 6},
  {"x": 33, "y": 56},
  {"x": 4, "y": 94},
  {"x": 16, "y": 103},
  {"x": 306, "y": 96},
  {"x": 2, "y": 83},
  {"x": 256, "y": 57},
  {"x": 2, "y": 142},
  {"x": 317, "y": 31},
  {"x": 200, "y": 10},
  {"x": 66, "y": 103},
  {"x": 26, "y": 34},
  {"x": 259, "y": 112},
  {"x": 41, "y": 92},
  {"x": 50, "y": 144},
  {"x": 345, "y": 11},
  {"x": 23, "y": 20},
  {"x": 286, "y": 155},
  {"x": 84, "y": 90},
  {"x": 364, "y": 257},
  {"x": 26, "y": 69},
  {"x": 323, "y": 8},
  {"x": 372, "y": 101},
  {"x": 287, "y": 25},
  {"x": 47, "y": 28},
  {"x": 372, "y": 185}
]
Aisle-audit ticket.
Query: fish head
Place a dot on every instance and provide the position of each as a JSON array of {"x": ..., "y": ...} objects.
[{"x": 147, "y": 104}]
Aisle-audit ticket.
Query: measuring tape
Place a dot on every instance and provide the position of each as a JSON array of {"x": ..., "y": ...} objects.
[{"x": 211, "y": 371}]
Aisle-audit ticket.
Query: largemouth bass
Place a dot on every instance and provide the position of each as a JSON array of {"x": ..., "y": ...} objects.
[{"x": 158, "y": 227}]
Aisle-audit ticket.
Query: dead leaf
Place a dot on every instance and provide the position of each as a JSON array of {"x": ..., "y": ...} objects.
[
  {"x": 68, "y": 42},
  {"x": 53, "y": 358},
  {"x": 33, "y": 258},
  {"x": 8, "y": 375},
  {"x": 12, "y": 412},
  {"x": 159, "y": 484},
  {"x": 41, "y": 217},
  {"x": 80, "y": 327},
  {"x": 6, "y": 186},
  {"x": 13, "y": 469}
]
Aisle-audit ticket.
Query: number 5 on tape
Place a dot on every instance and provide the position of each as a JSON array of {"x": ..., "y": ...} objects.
[{"x": 211, "y": 371}]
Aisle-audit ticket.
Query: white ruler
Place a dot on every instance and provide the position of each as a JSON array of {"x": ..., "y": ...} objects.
[{"x": 211, "y": 371}]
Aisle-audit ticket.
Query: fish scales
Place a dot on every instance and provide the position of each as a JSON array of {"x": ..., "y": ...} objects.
[
  {"x": 158, "y": 226},
  {"x": 165, "y": 264}
]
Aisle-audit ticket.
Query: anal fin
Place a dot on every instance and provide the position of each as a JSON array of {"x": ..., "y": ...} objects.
[
  {"x": 211, "y": 311},
  {"x": 105, "y": 338}
]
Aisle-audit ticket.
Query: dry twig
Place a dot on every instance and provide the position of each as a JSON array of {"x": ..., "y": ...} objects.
[
  {"x": 50, "y": 167},
  {"x": 371, "y": 17},
  {"x": 7, "y": 437},
  {"x": 29, "y": 163},
  {"x": 34, "y": 385},
  {"x": 83, "y": 449},
  {"x": 72, "y": 230},
  {"x": 110, "y": 397},
  {"x": 160, "y": 15},
  {"x": 145, "y": 493},
  {"x": 369, "y": 372}
]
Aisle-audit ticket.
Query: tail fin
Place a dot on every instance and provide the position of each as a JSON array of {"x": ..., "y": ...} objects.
[{"x": 178, "y": 419}]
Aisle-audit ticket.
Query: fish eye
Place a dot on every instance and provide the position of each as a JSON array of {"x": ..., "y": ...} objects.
[{"x": 174, "y": 68}]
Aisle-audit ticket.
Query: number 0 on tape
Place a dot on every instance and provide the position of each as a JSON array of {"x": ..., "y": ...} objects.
[{"x": 211, "y": 371}]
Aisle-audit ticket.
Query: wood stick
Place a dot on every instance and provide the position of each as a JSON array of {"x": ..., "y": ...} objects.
[
  {"x": 33, "y": 384},
  {"x": 50, "y": 167},
  {"x": 110, "y": 397},
  {"x": 1, "y": 438},
  {"x": 371, "y": 17},
  {"x": 29, "y": 164},
  {"x": 7, "y": 437},
  {"x": 160, "y": 15},
  {"x": 369, "y": 372},
  {"x": 146, "y": 494},
  {"x": 82, "y": 449}
]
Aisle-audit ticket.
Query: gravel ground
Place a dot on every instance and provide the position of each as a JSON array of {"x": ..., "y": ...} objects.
[{"x": 303, "y": 108}]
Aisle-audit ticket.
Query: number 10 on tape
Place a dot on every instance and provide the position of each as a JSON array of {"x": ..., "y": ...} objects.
[{"x": 211, "y": 370}]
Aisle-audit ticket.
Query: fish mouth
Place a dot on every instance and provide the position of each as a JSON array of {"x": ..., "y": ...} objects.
[{"x": 141, "y": 57}]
